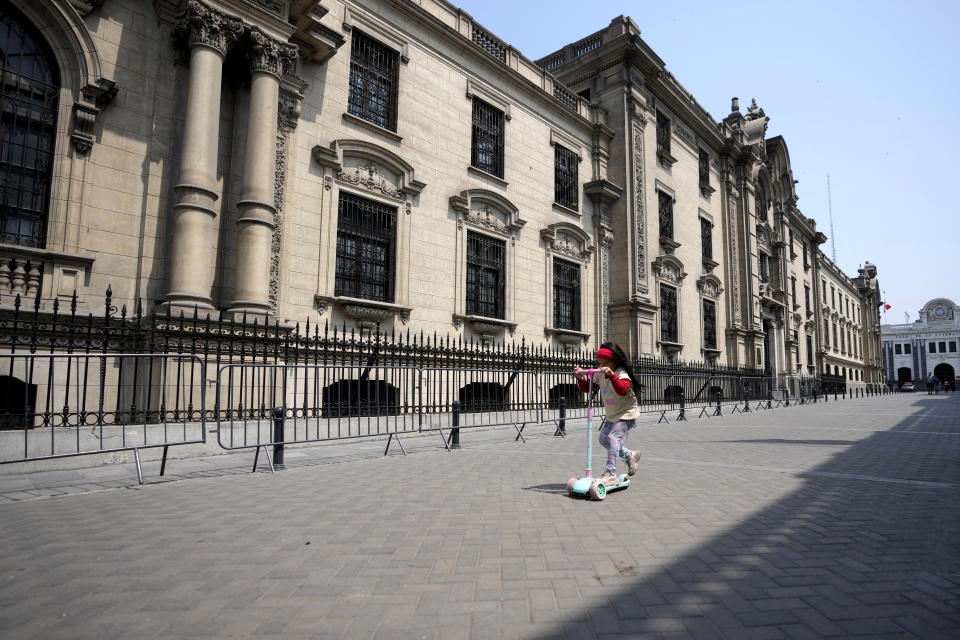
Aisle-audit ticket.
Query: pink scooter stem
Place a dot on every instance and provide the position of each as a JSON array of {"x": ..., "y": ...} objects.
[{"x": 589, "y": 424}]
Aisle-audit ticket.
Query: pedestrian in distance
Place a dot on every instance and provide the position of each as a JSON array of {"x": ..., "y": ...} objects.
[
  {"x": 618, "y": 387},
  {"x": 930, "y": 384}
]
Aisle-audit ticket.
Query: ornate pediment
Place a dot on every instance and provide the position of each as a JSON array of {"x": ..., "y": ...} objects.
[
  {"x": 668, "y": 268},
  {"x": 487, "y": 210},
  {"x": 371, "y": 167},
  {"x": 568, "y": 240},
  {"x": 371, "y": 177},
  {"x": 709, "y": 285}
]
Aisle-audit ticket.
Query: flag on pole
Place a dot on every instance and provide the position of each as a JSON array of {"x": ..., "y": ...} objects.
[{"x": 886, "y": 306}]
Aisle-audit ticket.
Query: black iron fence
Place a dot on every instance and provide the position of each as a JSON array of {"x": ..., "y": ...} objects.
[{"x": 29, "y": 327}]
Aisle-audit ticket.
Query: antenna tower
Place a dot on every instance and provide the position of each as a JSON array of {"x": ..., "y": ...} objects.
[{"x": 833, "y": 243}]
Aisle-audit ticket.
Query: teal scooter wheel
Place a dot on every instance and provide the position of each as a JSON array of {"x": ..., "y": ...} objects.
[{"x": 598, "y": 491}]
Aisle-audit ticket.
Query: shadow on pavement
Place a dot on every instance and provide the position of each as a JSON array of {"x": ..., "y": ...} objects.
[{"x": 838, "y": 557}]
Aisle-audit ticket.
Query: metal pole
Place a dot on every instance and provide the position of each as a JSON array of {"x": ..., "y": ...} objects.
[
  {"x": 562, "y": 424},
  {"x": 455, "y": 432},
  {"x": 278, "y": 413}
]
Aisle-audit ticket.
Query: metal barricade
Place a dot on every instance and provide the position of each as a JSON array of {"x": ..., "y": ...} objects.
[
  {"x": 60, "y": 405},
  {"x": 318, "y": 402},
  {"x": 562, "y": 385},
  {"x": 478, "y": 398}
]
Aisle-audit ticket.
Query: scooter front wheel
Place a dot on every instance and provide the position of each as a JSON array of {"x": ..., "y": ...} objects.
[
  {"x": 570, "y": 483},
  {"x": 598, "y": 491}
]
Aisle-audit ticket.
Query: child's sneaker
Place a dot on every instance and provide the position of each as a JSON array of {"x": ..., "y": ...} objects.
[
  {"x": 633, "y": 462},
  {"x": 609, "y": 479}
]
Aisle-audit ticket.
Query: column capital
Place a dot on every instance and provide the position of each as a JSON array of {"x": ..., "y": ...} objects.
[
  {"x": 269, "y": 54},
  {"x": 201, "y": 25}
]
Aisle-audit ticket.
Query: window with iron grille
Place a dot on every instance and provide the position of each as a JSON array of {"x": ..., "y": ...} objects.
[
  {"x": 29, "y": 94},
  {"x": 565, "y": 167},
  {"x": 704, "y": 168},
  {"x": 761, "y": 201},
  {"x": 706, "y": 238},
  {"x": 486, "y": 271},
  {"x": 486, "y": 146},
  {"x": 709, "y": 324},
  {"x": 663, "y": 133},
  {"x": 366, "y": 240},
  {"x": 566, "y": 295},
  {"x": 373, "y": 82},
  {"x": 666, "y": 215},
  {"x": 668, "y": 314}
]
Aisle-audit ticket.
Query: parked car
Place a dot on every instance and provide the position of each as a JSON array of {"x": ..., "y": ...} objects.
[{"x": 907, "y": 386}]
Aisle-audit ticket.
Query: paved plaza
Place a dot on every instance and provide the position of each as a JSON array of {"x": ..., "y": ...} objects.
[{"x": 833, "y": 520}]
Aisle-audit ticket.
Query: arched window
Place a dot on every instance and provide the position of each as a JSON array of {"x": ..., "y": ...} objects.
[{"x": 29, "y": 88}]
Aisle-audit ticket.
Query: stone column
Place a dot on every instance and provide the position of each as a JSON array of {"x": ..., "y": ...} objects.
[
  {"x": 269, "y": 58},
  {"x": 209, "y": 33}
]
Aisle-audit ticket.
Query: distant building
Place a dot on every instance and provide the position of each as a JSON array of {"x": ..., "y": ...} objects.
[{"x": 930, "y": 345}]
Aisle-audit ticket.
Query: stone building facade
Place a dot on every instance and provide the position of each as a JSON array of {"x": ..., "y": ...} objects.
[
  {"x": 911, "y": 352},
  {"x": 384, "y": 162}
]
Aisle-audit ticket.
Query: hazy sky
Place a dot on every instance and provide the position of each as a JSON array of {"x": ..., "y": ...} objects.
[{"x": 867, "y": 92}]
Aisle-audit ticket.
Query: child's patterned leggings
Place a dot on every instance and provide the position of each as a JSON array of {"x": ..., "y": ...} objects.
[{"x": 613, "y": 437}]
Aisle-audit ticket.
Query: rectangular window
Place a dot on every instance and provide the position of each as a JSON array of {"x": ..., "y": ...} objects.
[
  {"x": 366, "y": 239},
  {"x": 806, "y": 297},
  {"x": 806, "y": 261},
  {"x": 848, "y": 306},
  {"x": 709, "y": 324},
  {"x": 764, "y": 276},
  {"x": 668, "y": 314},
  {"x": 486, "y": 281},
  {"x": 896, "y": 349},
  {"x": 906, "y": 349},
  {"x": 843, "y": 342},
  {"x": 953, "y": 347},
  {"x": 941, "y": 347},
  {"x": 833, "y": 297},
  {"x": 809, "y": 350},
  {"x": 836, "y": 342},
  {"x": 566, "y": 295},
  {"x": 663, "y": 133},
  {"x": 486, "y": 145},
  {"x": 704, "y": 166},
  {"x": 373, "y": 82},
  {"x": 932, "y": 347},
  {"x": 793, "y": 290},
  {"x": 565, "y": 179},
  {"x": 706, "y": 238},
  {"x": 666, "y": 215},
  {"x": 792, "y": 253}
]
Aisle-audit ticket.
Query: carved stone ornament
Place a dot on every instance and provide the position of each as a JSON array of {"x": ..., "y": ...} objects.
[
  {"x": 367, "y": 313},
  {"x": 369, "y": 178},
  {"x": 639, "y": 250},
  {"x": 710, "y": 286},
  {"x": 269, "y": 54},
  {"x": 288, "y": 112},
  {"x": 202, "y": 25},
  {"x": 487, "y": 219},
  {"x": 276, "y": 241},
  {"x": 275, "y": 7},
  {"x": 669, "y": 269}
]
